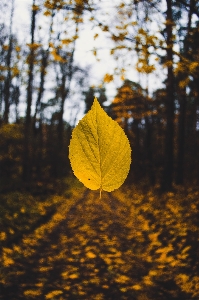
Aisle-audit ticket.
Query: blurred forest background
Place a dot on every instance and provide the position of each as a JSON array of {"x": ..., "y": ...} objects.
[{"x": 39, "y": 76}]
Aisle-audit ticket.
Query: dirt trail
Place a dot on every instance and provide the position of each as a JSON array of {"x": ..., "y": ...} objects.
[{"x": 90, "y": 254}]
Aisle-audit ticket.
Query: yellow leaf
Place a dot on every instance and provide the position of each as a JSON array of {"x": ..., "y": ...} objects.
[
  {"x": 147, "y": 280},
  {"x": 35, "y": 7},
  {"x": 34, "y": 46},
  {"x": 152, "y": 273},
  {"x": 57, "y": 57},
  {"x": 95, "y": 36},
  {"x": 136, "y": 287},
  {"x": 54, "y": 293},
  {"x": 17, "y": 48},
  {"x": 15, "y": 71},
  {"x": 122, "y": 279},
  {"x": 47, "y": 13},
  {"x": 5, "y": 47},
  {"x": 66, "y": 41},
  {"x": 99, "y": 151},
  {"x": 108, "y": 78},
  {"x": 2, "y": 236},
  {"x": 32, "y": 293},
  {"x": 73, "y": 276},
  {"x": 90, "y": 254},
  {"x": 186, "y": 249}
]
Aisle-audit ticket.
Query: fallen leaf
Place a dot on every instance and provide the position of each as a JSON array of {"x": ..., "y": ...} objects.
[{"x": 99, "y": 151}]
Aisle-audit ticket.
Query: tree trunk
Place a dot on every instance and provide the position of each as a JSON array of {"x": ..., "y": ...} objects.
[
  {"x": 149, "y": 152},
  {"x": 27, "y": 125},
  {"x": 182, "y": 110},
  {"x": 41, "y": 86},
  {"x": 169, "y": 153},
  {"x": 8, "y": 78},
  {"x": 44, "y": 64},
  {"x": 65, "y": 90},
  {"x": 181, "y": 138}
]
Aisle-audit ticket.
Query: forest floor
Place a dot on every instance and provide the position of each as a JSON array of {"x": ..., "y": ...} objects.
[{"x": 126, "y": 245}]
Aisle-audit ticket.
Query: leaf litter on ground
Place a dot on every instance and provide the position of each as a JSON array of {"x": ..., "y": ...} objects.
[{"x": 128, "y": 245}]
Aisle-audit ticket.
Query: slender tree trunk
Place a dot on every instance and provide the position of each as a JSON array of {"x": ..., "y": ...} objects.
[
  {"x": 169, "y": 144},
  {"x": 65, "y": 90},
  {"x": 181, "y": 138},
  {"x": 64, "y": 93},
  {"x": 149, "y": 153},
  {"x": 136, "y": 149},
  {"x": 38, "y": 146},
  {"x": 41, "y": 86},
  {"x": 38, "y": 140},
  {"x": 182, "y": 110},
  {"x": 16, "y": 101},
  {"x": 8, "y": 65},
  {"x": 44, "y": 64},
  {"x": 27, "y": 127}
]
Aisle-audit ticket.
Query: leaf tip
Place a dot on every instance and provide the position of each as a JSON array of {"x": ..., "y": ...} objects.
[{"x": 95, "y": 101}]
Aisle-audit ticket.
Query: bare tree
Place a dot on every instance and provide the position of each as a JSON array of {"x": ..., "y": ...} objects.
[
  {"x": 27, "y": 132},
  {"x": 8, "y": 66},
  {"x": 169, "y": 143}
]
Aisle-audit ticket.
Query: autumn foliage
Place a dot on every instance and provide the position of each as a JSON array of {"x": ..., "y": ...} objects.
[
  {"x": 129, "y": 245},
  {"x": 57, "y": 239}
]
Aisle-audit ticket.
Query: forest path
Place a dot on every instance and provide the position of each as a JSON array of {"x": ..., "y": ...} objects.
[{"x": 90, "y": 252}]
